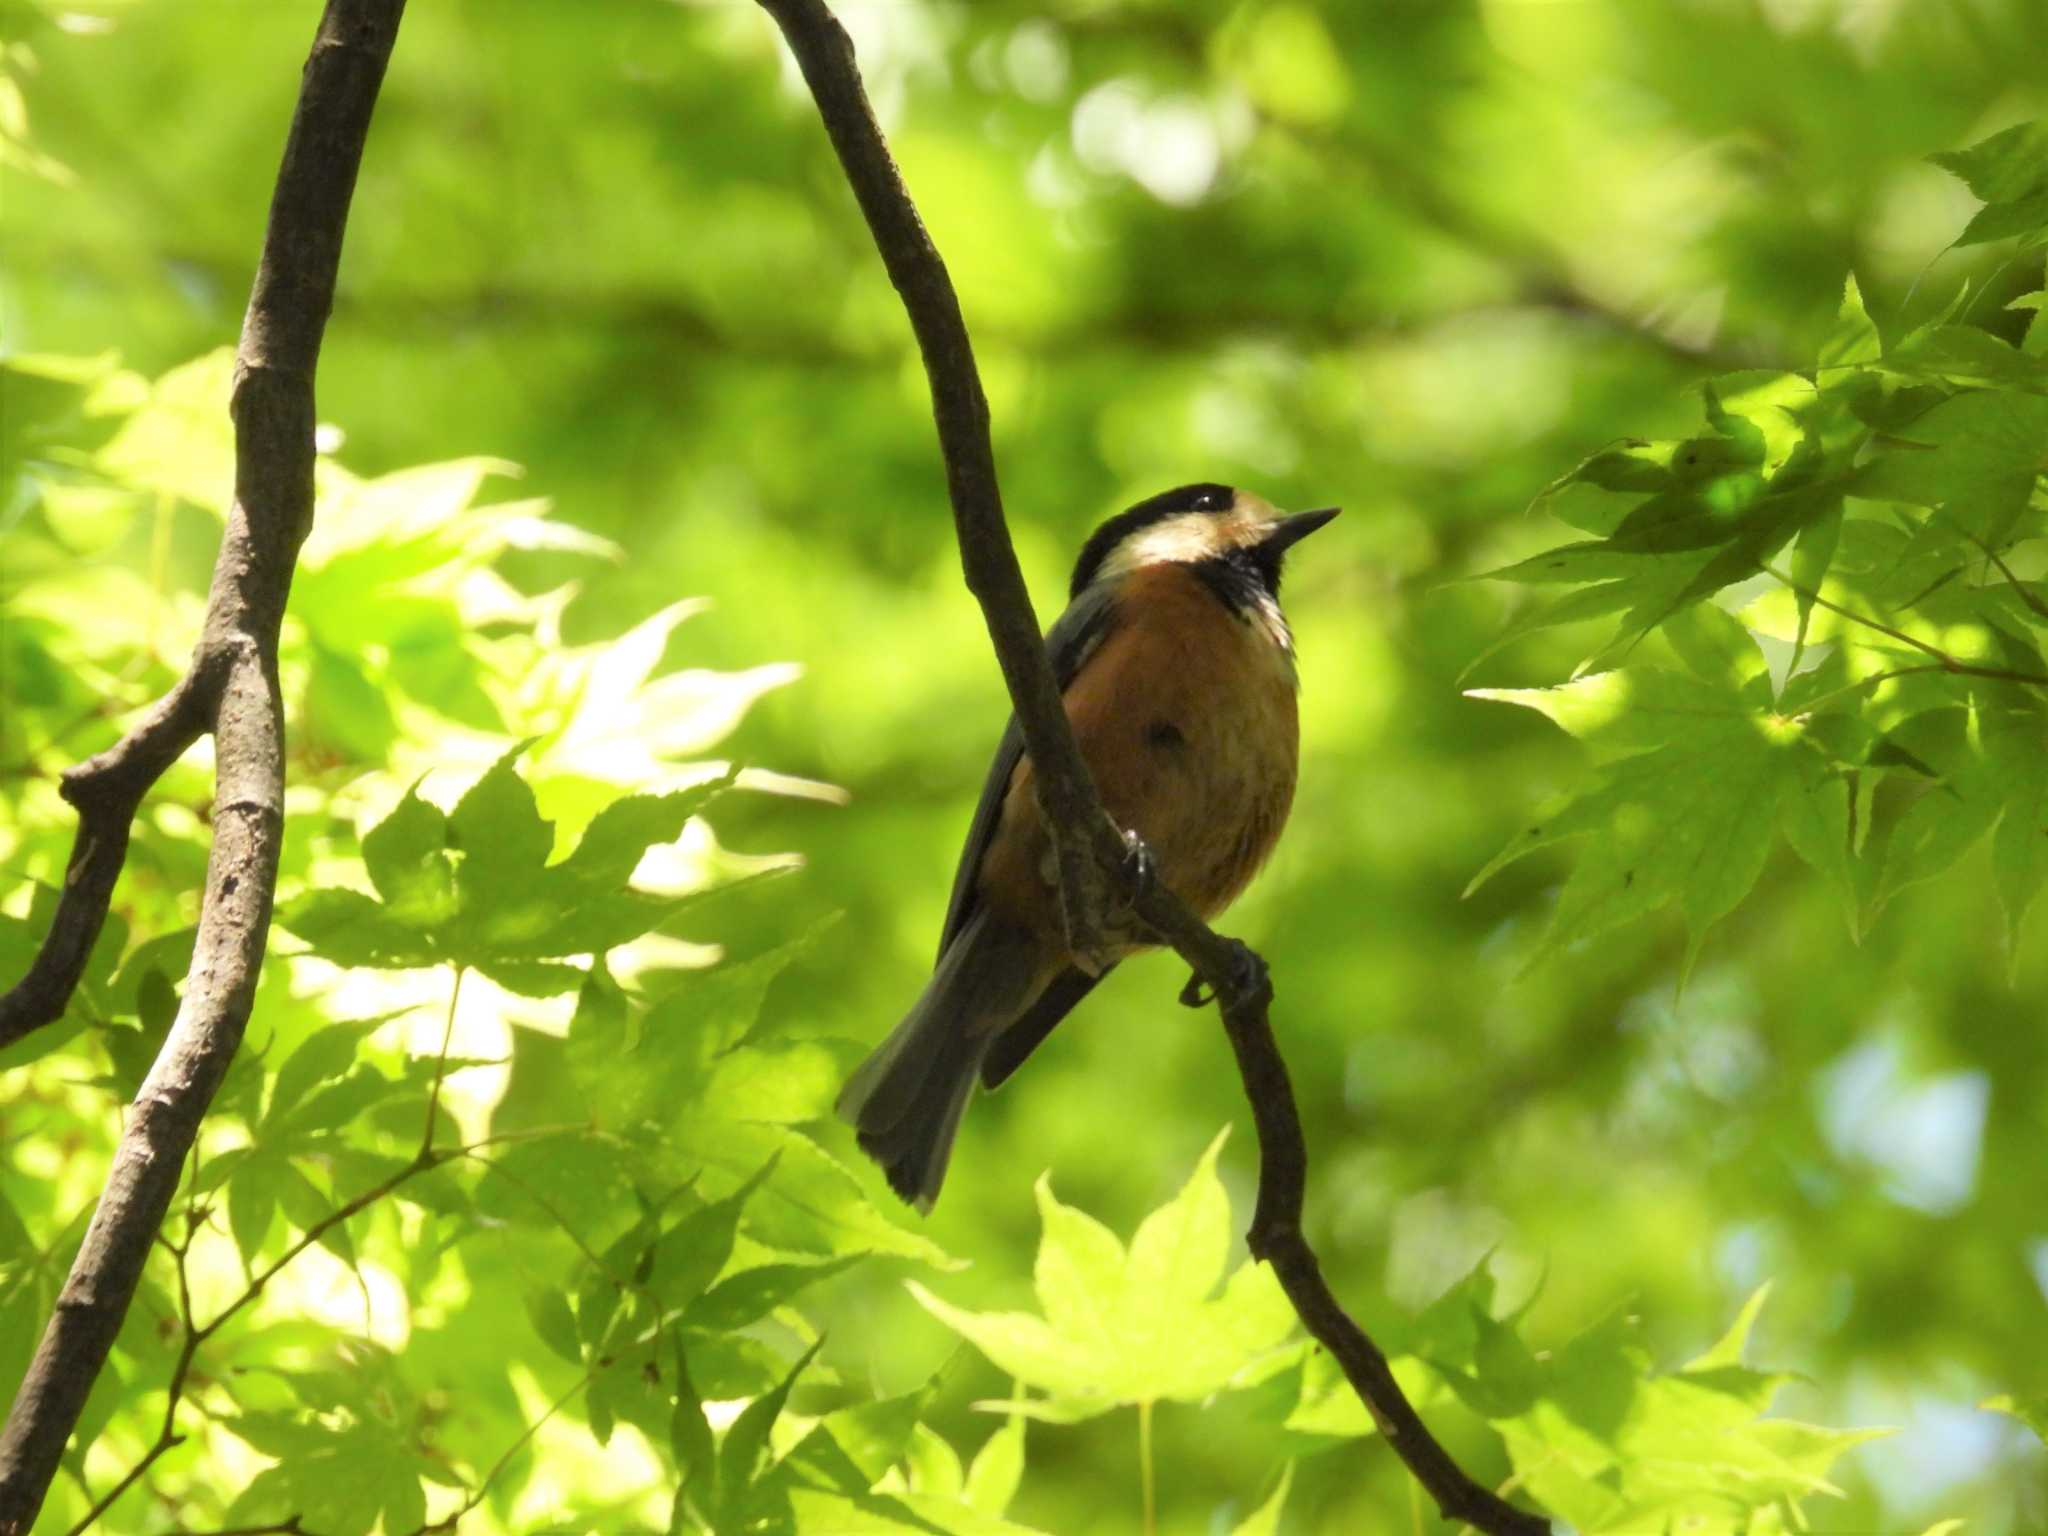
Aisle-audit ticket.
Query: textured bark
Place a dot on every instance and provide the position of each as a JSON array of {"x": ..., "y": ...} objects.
[
  {"x": 231, "y": 689},
  {"x": 105, "y": 791},
  {"x": 1084, "y": 841},
  {"x": 1095, "y": 873}
]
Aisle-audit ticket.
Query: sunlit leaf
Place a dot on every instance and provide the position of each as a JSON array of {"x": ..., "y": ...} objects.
[
  {"x": 1121, "y": 1328},
  {"x": 1854, "y": 339},
  {"x": 997, "y": 1469},
  {"x": 347, "y": 1475},
  {"x": 1599, "y": 1442},
  {"x": 179, "y": 442},
  {"x": 1265, "y": 1520},
  {"x": 475, "y": 887}
]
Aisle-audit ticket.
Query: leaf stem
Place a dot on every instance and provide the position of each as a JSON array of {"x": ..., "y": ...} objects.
[
  {"x": 1146, "y": 1481},
  {"x": 441, "y": 1066},
  {"x": 2019, "y": 588},
  {"x": 1943, "y": 660},
  {"x": 1814, "y": 706},
  {"x": 590, "y": 1254},
  {"x": 1947, "y": 661}
]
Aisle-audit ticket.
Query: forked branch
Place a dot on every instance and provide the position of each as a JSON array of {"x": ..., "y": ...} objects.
[
  {"x": 1093, "y": 881},
  {"x": 230, "y": 689}
]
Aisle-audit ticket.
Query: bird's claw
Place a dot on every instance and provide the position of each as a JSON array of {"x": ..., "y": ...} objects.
[
  {"x": 1141, "y": 867},
  {"x": 1247, "y": 976}
]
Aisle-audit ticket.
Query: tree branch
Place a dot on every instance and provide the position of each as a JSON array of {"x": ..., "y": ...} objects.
[
  {"x": 1084, "y": 842},
  {"x": 1093, "y": 884},
  {"x": 106, "y": 790},
  {"x": 231, "y": 688}
]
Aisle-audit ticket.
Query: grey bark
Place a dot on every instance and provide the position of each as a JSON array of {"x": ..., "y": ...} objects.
[{"x": 230, "y": 689}]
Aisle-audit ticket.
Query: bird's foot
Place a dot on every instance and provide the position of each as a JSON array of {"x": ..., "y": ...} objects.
[
  {"x": 1247, "y": 974},
  {"x": 1136, "y": 876}
]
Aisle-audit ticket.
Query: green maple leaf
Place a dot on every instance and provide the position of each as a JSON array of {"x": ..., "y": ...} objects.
[
  {"x": 1702, "y": 514},
  {"x": 473, "y": 887},
  {"x": 1265, "y": 1520},
  {"x": 1138, "y": 1324},
  {"x": 1976, "y": 456},
  {"x": 1699, "y": 768},
  {"x": 347, "y": 1470},
  {"x": 1613, "y": 1450},
  {"x": 2009, "y": 171}
]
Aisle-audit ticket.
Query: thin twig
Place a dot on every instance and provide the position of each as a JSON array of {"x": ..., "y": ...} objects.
[
  {"x": 290, "y": 1525},
  {"x": 1095, "y": 884},
  {"x": 231, "y": 688},
  {"x": 167, "y": 1433},
  {"x": 425, "y": 1162},
  {"x": 197, "y": 1334}
]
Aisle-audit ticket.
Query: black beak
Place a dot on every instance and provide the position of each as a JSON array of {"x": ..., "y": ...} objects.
[{"x": 1290, "y": 531}]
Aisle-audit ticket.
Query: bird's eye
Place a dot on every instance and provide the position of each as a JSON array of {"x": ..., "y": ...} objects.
[{"x": 1212, "y": 501}]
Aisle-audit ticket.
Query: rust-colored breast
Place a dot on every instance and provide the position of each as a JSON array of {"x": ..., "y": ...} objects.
[{"x": 1186, "y": 716}]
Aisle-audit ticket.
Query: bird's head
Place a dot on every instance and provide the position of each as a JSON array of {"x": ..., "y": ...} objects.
[{"x": 1206, "y": 526}]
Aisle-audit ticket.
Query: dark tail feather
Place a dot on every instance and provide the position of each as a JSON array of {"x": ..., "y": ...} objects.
[
  {"x": 914, "y": 1150},
  {"x": 1007, "y": 1051},
  {"x": 906, "y": 1099}
]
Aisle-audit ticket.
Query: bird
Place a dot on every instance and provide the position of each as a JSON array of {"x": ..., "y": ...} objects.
[{"x": 1177, "y": 671}]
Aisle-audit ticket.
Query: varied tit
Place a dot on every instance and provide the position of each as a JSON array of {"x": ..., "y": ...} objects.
[{"x": 1177, "y": 669}]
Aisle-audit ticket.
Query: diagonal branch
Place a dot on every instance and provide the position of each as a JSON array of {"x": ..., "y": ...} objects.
[
  {"x": 1083, "y": 839},
  {"x": 231, "y": 689},
  {"x": 1093, "y": 882}
]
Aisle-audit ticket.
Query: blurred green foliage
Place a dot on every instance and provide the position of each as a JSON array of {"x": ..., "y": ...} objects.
[{"x": 1416, "y": 258}]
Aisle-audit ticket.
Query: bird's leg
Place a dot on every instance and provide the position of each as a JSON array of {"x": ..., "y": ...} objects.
[{"x": 1137, "y": 875}]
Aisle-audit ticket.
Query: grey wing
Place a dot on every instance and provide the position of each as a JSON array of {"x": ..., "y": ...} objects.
[{"x": 1070, "y": 642}]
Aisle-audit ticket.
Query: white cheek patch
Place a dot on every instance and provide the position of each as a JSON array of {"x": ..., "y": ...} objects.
[{"x": 1181, "y": 540}]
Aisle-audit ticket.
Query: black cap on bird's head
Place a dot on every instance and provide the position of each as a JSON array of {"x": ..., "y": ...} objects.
[{"x": 1194, "y": 525}]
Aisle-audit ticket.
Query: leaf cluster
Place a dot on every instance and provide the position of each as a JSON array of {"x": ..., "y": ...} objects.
[{"x": 1847, "y": 648}]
